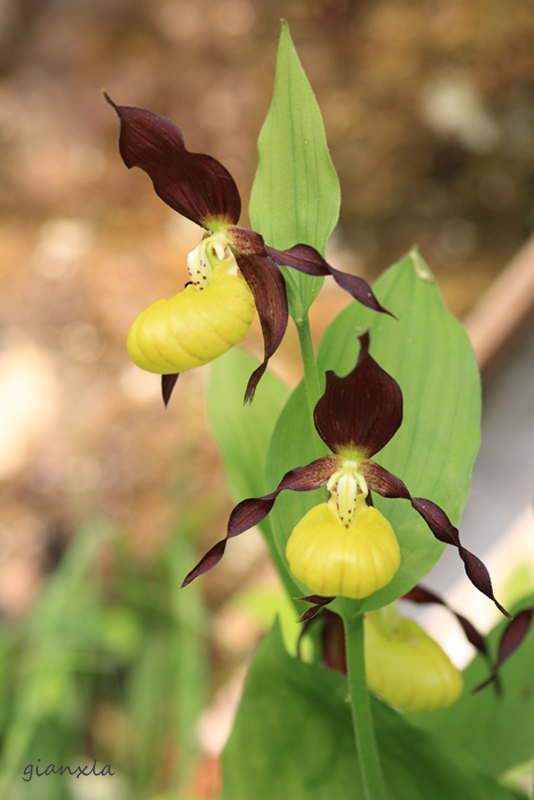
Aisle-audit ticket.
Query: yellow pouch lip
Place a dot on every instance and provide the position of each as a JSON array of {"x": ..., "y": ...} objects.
[
  {"x": 409, "y": 669},
  {"x": 193, "y": 327},
  {"x": 335, "y": 560}
]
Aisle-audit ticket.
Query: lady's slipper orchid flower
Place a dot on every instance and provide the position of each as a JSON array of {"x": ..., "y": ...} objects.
[
  {"x": 406, "y": 666},
  {"x": 231, "y": 269},
  {"x": 403, "y": 664},
  {"x": 345, "y": 547}
]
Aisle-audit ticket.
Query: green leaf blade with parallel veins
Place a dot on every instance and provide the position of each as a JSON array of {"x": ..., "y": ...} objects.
[
  {"x": 293, "y": 738},
  {"x": 243, "y": 433},
  {"x": 296, "y": 196}
]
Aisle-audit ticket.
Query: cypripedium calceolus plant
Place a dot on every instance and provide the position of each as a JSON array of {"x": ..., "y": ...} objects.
[
  {"x": 232, "y": 270},
  {"x": 345, "y": 547}
]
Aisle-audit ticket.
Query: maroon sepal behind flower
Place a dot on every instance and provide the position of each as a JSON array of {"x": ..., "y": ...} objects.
[
  {"x": 200, "y": 188},
  {"x": 511, "y": 638},
  {"x": 252, "y": 511}
]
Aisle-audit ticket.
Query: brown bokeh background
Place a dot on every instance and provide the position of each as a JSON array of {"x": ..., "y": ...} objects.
[{"x": 429, "y": 113}]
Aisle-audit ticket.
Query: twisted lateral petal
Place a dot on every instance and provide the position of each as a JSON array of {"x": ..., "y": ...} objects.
[
  {"x": 375, "y": 402},
  {"x": 444, "y": 530},
  {"x": 193, "y": 184},
  {"x": 511, "y": 638},
  {"x": 384, "y": 483},
  {"x": 421, "y": 595},
  {"x": 252, "y": 511},
  {"x": 269, "y": 290},
  {"x": 306, "y": 259},
  {"x": 193, "y": 327}
]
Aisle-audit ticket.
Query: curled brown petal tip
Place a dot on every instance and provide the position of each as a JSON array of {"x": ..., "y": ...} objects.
[
  {"x": 388, "y": 485},
  {"x": 512, "y": 636},
  {"x": 444, "y": 531},
  {"x": 269, "y": 289},
  {"x": 307, "y": 259},
  {"x": 363, "y": 410},
  {"x": 193, "y": 184},
  {"x": 419, "y": 594},
  {"x": 168, "y": 382},
  {"x": 252, "y": 511},
  {"x": 319, "y": 603}
]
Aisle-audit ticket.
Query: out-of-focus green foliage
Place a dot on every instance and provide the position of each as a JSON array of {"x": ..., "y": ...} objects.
[
  {"x": 98, "y": 670},
  {"x": 244, "y": 432}
]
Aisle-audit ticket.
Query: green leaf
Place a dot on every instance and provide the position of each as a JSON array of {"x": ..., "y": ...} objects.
[
  {"x": 243, "y": 432},
  {"x": 293, "y": 738},
  {"x": 427, "y": 351},
  {"x": 295, "y": 197},
  {"x": 497, "y": 731}
]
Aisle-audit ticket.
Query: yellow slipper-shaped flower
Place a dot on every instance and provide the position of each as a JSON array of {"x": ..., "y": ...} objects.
[
  {"x": 195, "y": 326},
  {"x": 408, "y": 668},
  {"x": 334, "y": 559}
]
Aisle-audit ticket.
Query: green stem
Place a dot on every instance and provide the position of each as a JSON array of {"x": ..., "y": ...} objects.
[
  {"x": 373, "y": 781},
  {"x": 311, "y": 376}
]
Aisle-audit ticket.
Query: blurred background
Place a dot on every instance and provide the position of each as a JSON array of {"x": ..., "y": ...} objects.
[{"x": 108, "y": 499}]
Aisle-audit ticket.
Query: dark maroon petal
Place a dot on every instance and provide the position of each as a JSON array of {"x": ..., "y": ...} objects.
[
  {"x": 306, "y": 259},
  {"x": 168, "y": 382},
  {"x": 444, "y": 530},
  {"x": 511, "y": 638},
  {"x": 333, "y": 641},
  {"x": 319, "y": 603},
  {"x": 421, "y": 595},
  {"x": 361, "y": 411},
  {"x": 383, "y": 482},
  {"x": 269, "y": 289},
  {"x": 252, "y": 511},
  {"x": 513, "y": 634},
  {"x": 245, "y": 241},
  {"x": 195, "y": 185}
]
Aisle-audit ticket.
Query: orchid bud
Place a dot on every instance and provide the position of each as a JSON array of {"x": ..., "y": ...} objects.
[
  {"x": 335, "y": 558},
  {"x": 211, "y": 315},
  {"x": 405, "y": 666}
]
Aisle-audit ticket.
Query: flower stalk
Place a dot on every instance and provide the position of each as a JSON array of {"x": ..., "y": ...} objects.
[
  {"x": 362, "y": 720},
  {"x": 372, "y": 778},
  {"x": 311, "y": 377}
]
